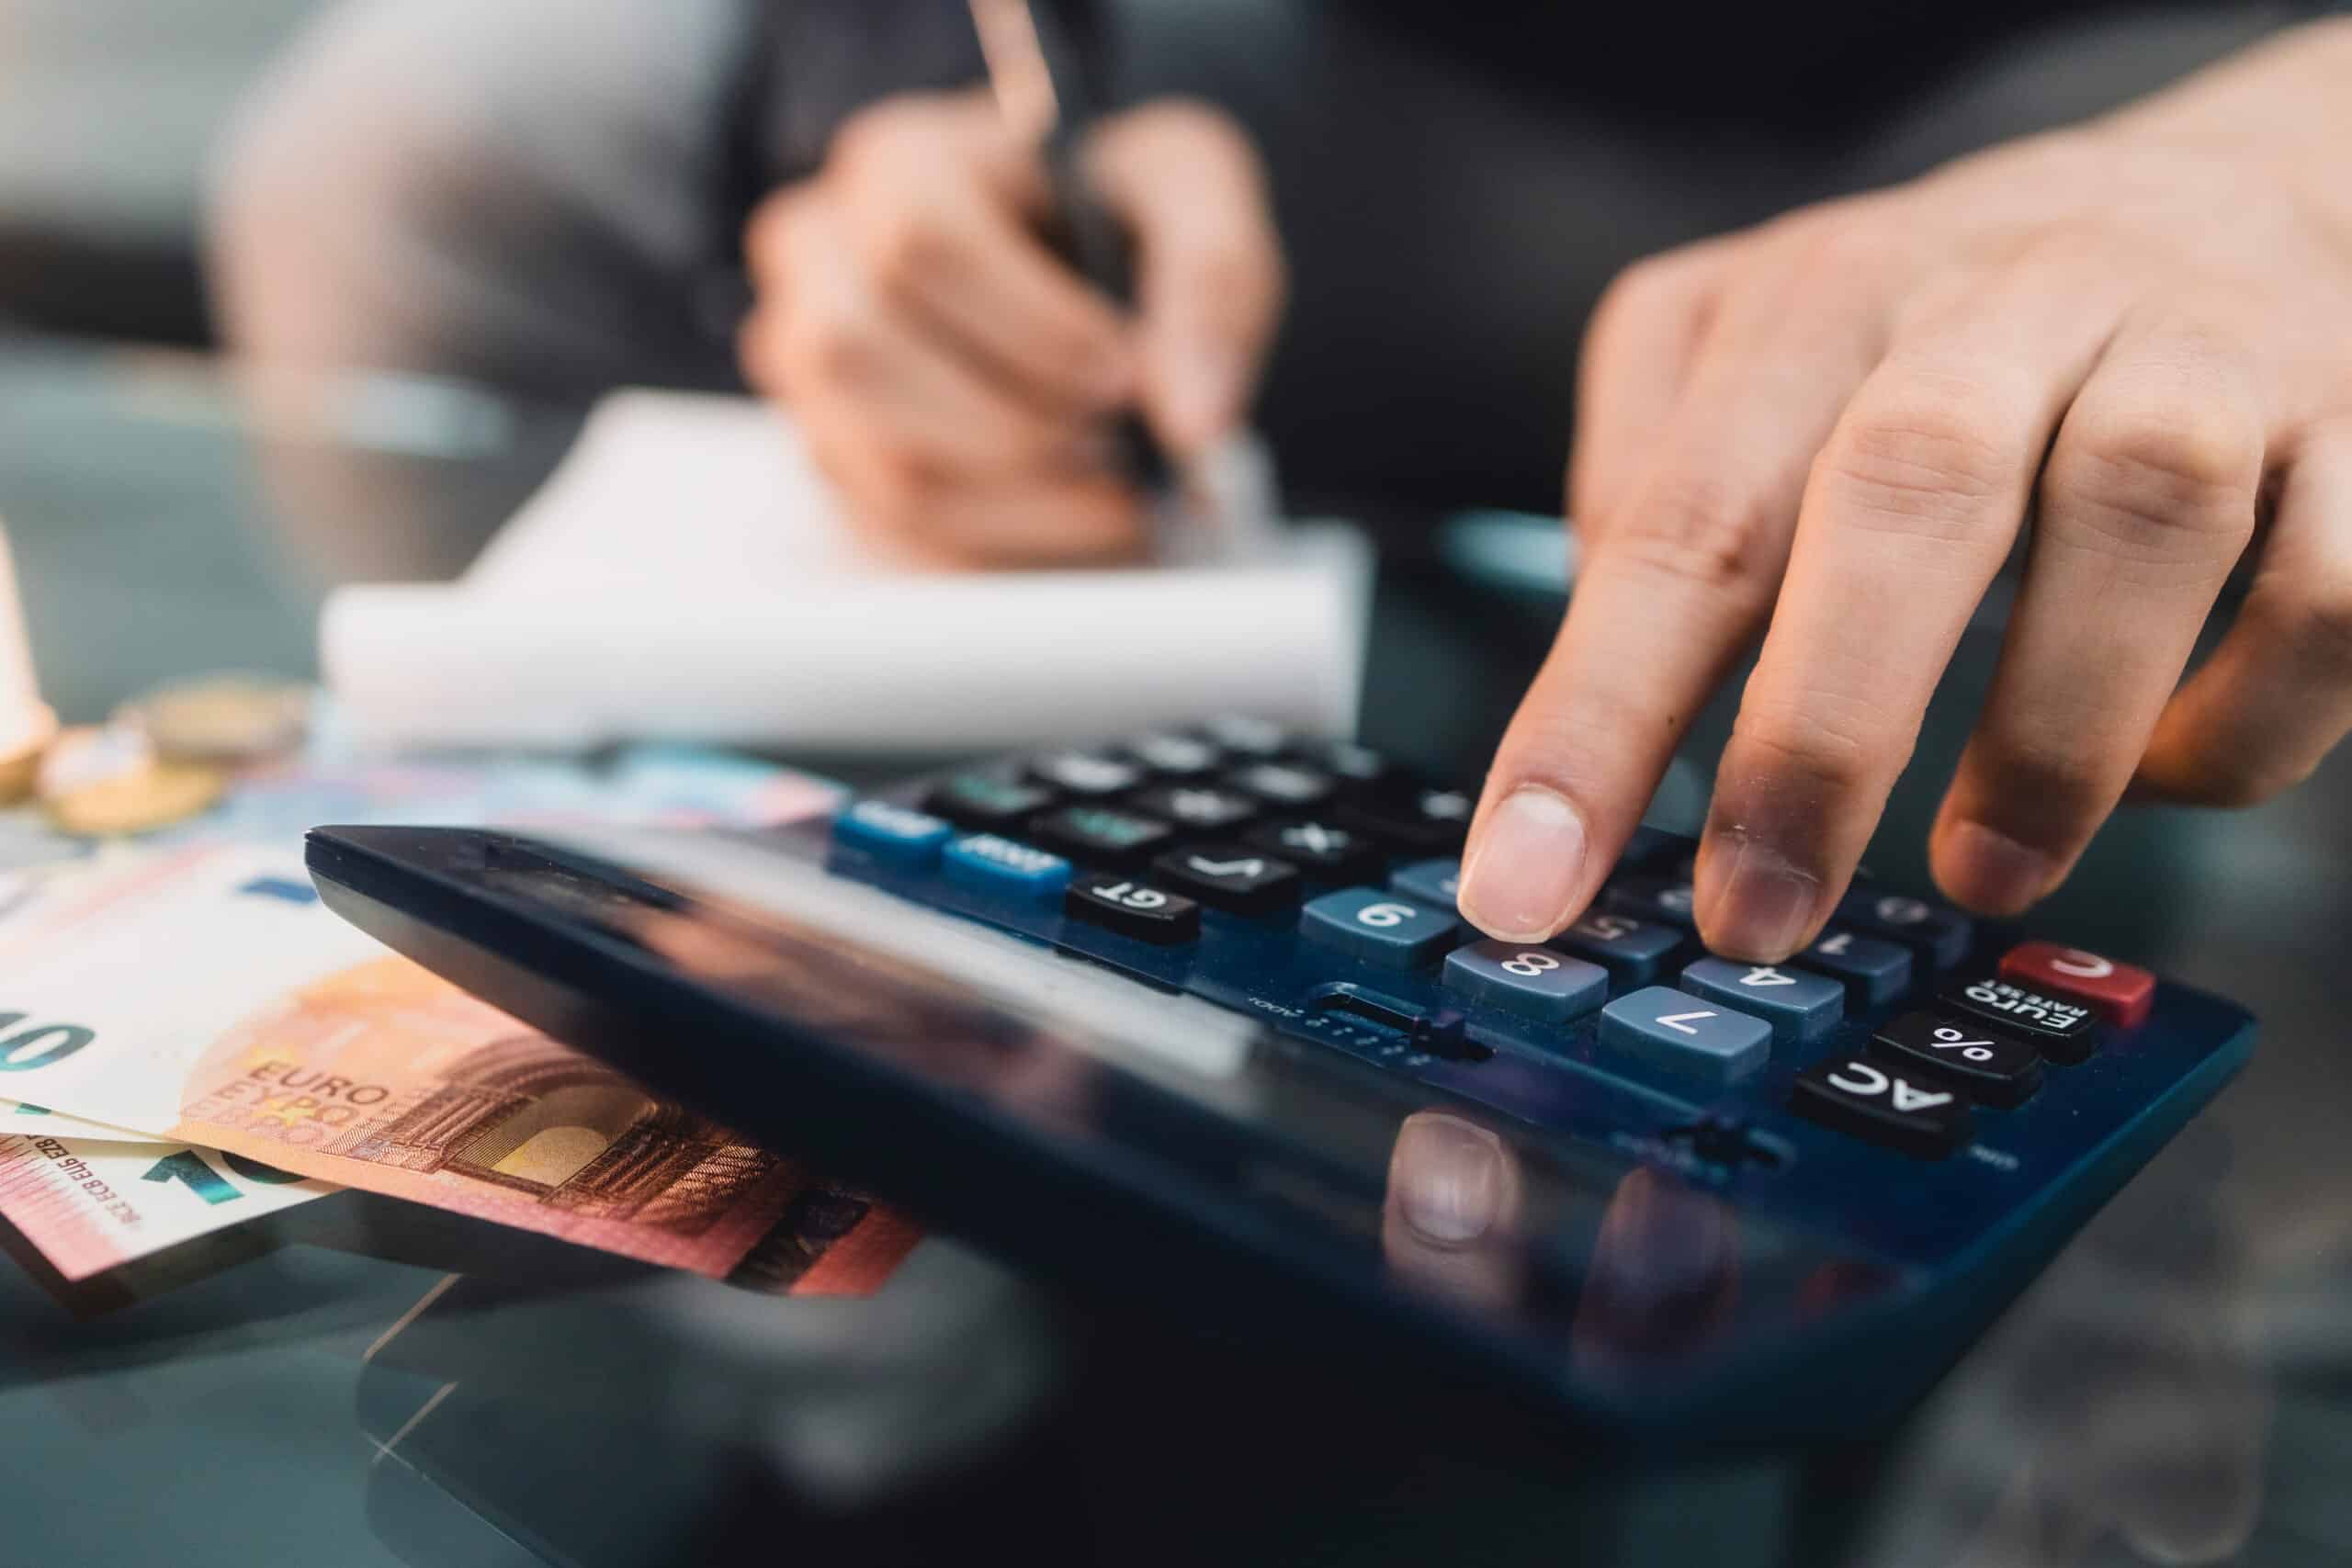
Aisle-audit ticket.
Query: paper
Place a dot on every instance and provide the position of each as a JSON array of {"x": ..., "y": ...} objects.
[{"x": 684, "y": 575}]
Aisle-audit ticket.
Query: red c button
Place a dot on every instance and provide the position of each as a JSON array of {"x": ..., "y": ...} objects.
[{"x": 2121, "y": 993}]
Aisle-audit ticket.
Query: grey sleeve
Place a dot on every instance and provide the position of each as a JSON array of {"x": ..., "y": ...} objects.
[{"x": 521, "y": 192}]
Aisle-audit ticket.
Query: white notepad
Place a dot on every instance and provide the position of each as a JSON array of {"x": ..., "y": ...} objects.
[{"x": 684, "y": 575}]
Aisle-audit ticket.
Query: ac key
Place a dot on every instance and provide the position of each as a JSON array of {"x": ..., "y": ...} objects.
[{"x": 1883, "y": 1104}]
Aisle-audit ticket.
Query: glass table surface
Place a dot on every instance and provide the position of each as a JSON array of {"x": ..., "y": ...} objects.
[{"x": 359, "y": 1382}]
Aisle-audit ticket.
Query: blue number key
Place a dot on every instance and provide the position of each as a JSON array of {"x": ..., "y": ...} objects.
[
  {"x": 1942, "y": 934},
  {"x": 1797, "y": 1004},
  {"x": 1632, "y": 948},
  {"x": 1532, "y": 980},
  {"x": 1875, "y": 971},
  {"x": 1436, "y": 882},
  {"x": 992, "y": 864},
  {"x": 1677, "y": 1031},
  {"x": 896, "y": 833},
  {"x": 1375, "y": 926}
]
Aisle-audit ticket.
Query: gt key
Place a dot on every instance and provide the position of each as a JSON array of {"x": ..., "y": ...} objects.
[{"x": 1132, "y": 908}]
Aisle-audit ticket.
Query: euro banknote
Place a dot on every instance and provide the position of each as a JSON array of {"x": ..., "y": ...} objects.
[
  {"x": 204, "y": 997},
  {"x": 93, "y": 1205}
]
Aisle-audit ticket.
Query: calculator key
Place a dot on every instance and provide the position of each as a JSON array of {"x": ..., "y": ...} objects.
[
  {"x": 2121, "y": 992},
  {"x": 1436, "y": 882},
  {"x": 1231, "y": 876},
  {"x": 1247, "y": 736},
  {"x": 1942, "y": 933},
  {"x": 996, "y": 864},
  {"x": 892, "y": 832},
  {"x": 1652, "y": 846},
  {"x": 1103, "y": 835},
  {"x": 1686, "y": 1034},
  {"x": 1531, "y": 980},
  {"x": 987, "y": 800},
  {"x": 1634, "y": 950},
  {"x": 1797, "y": 1004},
  {"x": 1321, "y": 851},
  {"x": 1884, "y": 1103},
  {"x": 1133, "y": 908},
  {"x": 1353, "y": 765},
  {"x": 2058, "y": 1027},
  {"x": 1426, "y": 820},
  {"x": 1202, "y": 809},
  {"x": 1668, "y": 900},
  {"x": 1372, "y": 925},
  {"x": 1994, "y": 1068},
  {"x": 1291, "y": 786},
  {"x": 1087, "y": 773},
  {"x": 1875, "y": 971},
  {"x": 1175, "y": 756}
]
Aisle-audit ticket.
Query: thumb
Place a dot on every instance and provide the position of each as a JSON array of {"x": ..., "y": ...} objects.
[{"x": 1188, "y": 185}]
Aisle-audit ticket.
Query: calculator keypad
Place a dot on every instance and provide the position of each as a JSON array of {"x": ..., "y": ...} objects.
[
  {"x": 1994, "y": 1068},
  {"x": 2057, "y": 1027},
  {"x": 1322, "y": 851},
  {"x": 2119, "y": 993},
  {"x": 1101, "y": 835},
  {"x": 1133, "y": 908},
  {"x": 1686, "y": 1034},
  {"x": 987, "y": 800},
  {"x": 1797, "y": 1004},
  {"x": 1368, "y": 924},
  {"x": 1885, "y": 1103},
  {"x": 1531, "y": 980},
  {"x": 1231, "y": 876},
  {"x": 1156, "y": 838},
  {"x": 993, "y": 864},
  {"x": 1197, "y": 808}
]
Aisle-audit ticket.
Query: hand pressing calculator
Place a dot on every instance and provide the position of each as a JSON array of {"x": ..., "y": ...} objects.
[{"x": 1193, "y": 1016}]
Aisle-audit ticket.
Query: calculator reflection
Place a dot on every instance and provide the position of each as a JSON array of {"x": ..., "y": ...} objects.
[{"x": 1663, "y": 1278}]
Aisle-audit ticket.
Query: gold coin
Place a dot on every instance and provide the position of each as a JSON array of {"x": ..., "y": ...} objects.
[
  {"x": 224, "y": 718},
  {"x": 154, "y": 797},
  {"x": 27, "y": 740}
]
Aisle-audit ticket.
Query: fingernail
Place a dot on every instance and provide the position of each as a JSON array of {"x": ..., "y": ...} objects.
[
  {"x": 1994, "y": 873},
  {"x": 1449, "y": 1179},
  {"x": 1525, "y": 869},
  {"x": 1766, "y": 904}
]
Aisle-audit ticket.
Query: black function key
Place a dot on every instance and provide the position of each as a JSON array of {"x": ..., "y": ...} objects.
[
  {"x": 1425, "y": 820},
  {"x": 1322, "y": 851},
  {"x": 1101, "y": 835},
  {"x": 1089, "y": 773},
  {"x": 1175, "y": 756},
  {"x": 1666, "y": 900},
  {"x": 985, "y": 800},
  {"x": 1231, "y": 876},
  {"x": 1354, "y": 766},
  {"x": 1248, "y": 737},
  {"x": 1993, "y": 1068},
  {"x": 1132, "y": 908},
  {"x": 2058, "y": 1029},
  {"x": 1884, "y": 1103},
  {"x": 1287, "y": 787},
  {"x": 1200, "y": 808}
]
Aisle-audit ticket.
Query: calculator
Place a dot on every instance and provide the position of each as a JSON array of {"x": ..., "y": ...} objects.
[{"x": 1192, "y": 1017}]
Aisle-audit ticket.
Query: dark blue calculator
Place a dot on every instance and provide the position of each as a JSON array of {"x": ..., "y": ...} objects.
[{"x": 1191, "y": 1016}]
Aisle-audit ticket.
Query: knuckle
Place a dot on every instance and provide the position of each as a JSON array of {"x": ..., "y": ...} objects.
[
  {"x": 2162, "y": 469},
  {"x": 832, "y": 354},
  {"x": 2057, "y": 781},
  {"x": 2312, "y": 615},
  {"x": 1824, "y": 747},
  {"x": 908, "y": 249},
  {"x": 1697, "y": 527},
  {"x": 1924, "y": 451}
]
